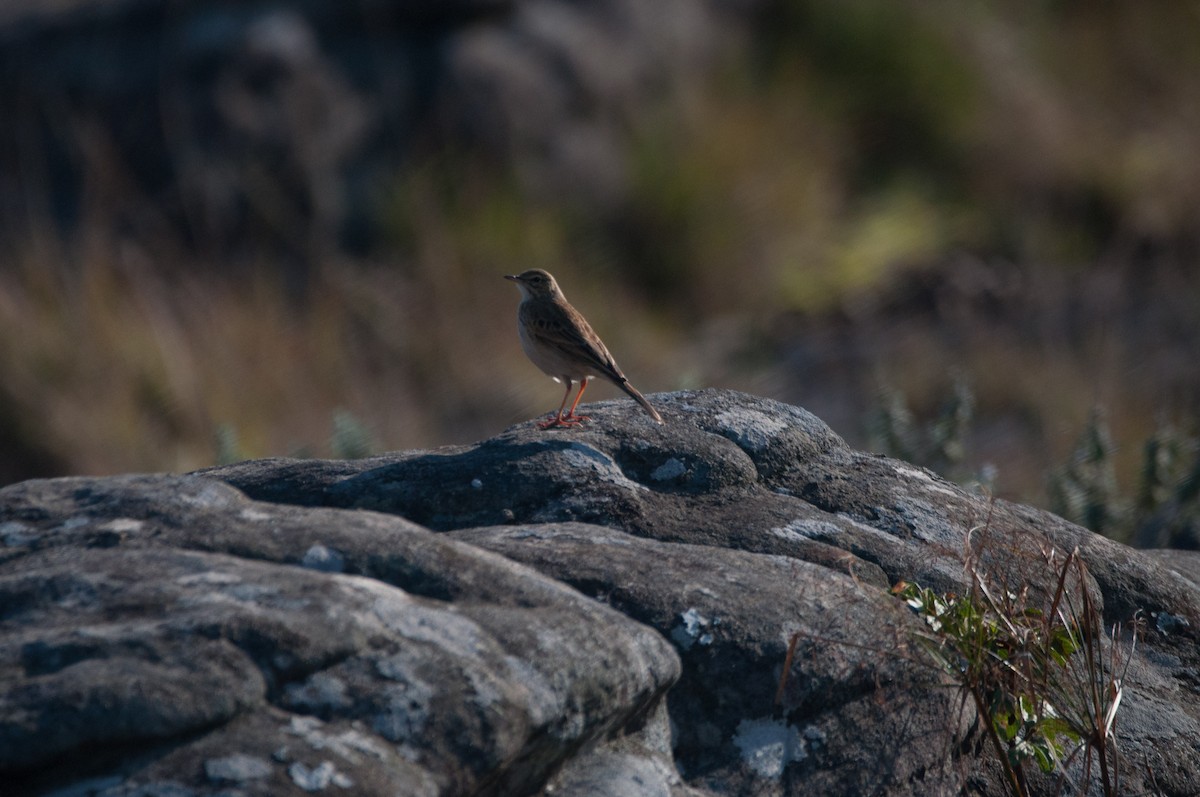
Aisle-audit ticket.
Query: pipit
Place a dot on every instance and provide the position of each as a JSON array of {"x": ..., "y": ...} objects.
[{"x": 561, "y": 342}]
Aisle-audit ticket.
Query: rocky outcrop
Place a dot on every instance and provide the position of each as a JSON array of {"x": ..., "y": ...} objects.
[
  {"x": 166, "y": 630},
  {"x": 205, "y": 109},
  {"x": 597, "y": 610}
]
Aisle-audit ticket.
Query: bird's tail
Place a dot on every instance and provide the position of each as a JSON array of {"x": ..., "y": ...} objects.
[{"x": 640, "y": 399}]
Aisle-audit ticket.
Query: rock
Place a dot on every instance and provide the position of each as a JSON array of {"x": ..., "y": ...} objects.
[
  {"x": 204, "y": 105},
  {"x": 550, "y": 87},
  {"x": 618, "y": 608},
  {"x": 731, "y": 615},
  {"x": 167, "y": 630},
  {"x": 732, "y": 477}
]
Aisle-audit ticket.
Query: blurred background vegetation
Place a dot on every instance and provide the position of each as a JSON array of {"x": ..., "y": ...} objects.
[{"x": 964, "y": 233}]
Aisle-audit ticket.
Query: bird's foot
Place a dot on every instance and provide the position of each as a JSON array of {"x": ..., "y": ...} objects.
[{"x": 564, "y": 420}]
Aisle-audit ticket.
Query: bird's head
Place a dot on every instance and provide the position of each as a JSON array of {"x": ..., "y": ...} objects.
[{"x": 536, "y": 283}]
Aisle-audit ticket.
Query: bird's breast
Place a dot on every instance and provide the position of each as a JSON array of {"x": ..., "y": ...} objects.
[{"x": 551, "y": 359}]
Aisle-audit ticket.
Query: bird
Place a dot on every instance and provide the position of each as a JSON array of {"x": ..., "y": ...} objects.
[{"x": 560, "y": 341}]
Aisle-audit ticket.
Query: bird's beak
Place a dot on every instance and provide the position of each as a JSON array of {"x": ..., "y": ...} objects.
[{"x": 512, "y": 277}]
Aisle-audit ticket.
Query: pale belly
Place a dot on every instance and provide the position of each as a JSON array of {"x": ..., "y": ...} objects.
[{"x": 551, "y": 362}]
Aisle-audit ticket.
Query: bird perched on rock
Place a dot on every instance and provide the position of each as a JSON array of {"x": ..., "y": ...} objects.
[{"x": 561, "y": 342}]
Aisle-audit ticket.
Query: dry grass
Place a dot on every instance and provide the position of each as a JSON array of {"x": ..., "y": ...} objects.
[
  {"x": 127, "y": 366},
  {"x": 130, "y": 367}
]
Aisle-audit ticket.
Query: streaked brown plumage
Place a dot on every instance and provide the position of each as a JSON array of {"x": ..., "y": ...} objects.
[{"x": 561, "y": 342}]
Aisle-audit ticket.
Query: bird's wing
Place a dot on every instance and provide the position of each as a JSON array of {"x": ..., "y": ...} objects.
[{"x": 556, "y": 325}]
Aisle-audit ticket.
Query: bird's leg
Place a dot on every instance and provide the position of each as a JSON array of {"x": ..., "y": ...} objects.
[
  {"x": 559, "y": 419},
  {"x": 571, "y": 417}
]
